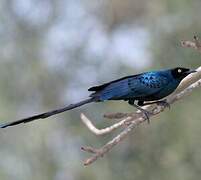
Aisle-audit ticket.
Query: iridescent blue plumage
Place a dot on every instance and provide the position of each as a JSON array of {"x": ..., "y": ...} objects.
[{"x": 149, "y": 86}]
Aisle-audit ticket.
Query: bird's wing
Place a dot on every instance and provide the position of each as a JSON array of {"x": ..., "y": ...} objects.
[
  {"x": 98, "y": 88},
  {"x": 148, "y": 84},
  {"x": 136, "y": 86}
]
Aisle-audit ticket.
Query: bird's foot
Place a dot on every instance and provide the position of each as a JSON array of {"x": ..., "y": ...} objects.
[
  {"x": 146, "y": 114},
  {"x": 163, "y": 103}
]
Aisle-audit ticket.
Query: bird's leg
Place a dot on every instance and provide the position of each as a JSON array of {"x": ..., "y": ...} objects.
[
  {"x": 145, "y": 112},
  {"x": 163, "y": 103},
  {"x": 140, "y": 103}
]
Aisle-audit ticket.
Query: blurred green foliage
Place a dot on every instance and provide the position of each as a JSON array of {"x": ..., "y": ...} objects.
[{"x": 52, "y": 51}]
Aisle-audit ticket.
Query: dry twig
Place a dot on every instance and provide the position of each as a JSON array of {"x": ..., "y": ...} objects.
[
  {"x": 132, "y": 120},
  {"x": 195, "y": 44},
  {"x": 106, "y": 130}
]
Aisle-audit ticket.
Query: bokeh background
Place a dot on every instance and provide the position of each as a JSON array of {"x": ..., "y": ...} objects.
[{"x": 52, "y": 51}]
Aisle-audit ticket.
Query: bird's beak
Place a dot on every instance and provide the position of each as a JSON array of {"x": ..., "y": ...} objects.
[{"x": 190, "y": 71}]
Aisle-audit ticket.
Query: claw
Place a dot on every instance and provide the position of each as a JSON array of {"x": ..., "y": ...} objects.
[
  {"x": 164, "y": 103},
  {"x": 147, "y": 115},
  {"x": 145, "y": 112}
]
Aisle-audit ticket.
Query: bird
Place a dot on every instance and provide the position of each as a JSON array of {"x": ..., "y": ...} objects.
[{"x": 138, "y": 90}]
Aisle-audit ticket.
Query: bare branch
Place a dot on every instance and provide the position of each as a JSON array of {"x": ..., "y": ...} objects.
[
  {"x": 107, "y": 147},
  {"x": 190, "y": 79},
  {"x": 106, "y": 130},
  {"x": 118, "y": 115},
  {"x": 195, "y": 44}
]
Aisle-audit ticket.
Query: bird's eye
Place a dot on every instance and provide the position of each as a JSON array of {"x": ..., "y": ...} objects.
[{"x": 179, "y": 70}]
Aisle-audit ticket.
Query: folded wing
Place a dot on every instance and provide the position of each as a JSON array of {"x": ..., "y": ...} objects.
[{"x": 136, "y": 87}]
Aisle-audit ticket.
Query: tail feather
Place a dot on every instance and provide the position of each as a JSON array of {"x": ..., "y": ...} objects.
[{"x": 47, "y": 114}]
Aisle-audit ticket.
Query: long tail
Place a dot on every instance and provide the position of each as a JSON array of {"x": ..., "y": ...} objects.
[{"x": 47, "y": 114}]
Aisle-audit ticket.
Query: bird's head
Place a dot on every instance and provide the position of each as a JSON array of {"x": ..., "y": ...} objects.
[{"x": 180, "y": 73}]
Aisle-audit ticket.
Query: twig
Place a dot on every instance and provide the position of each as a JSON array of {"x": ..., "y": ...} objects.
[
  {"x": 103, "y": 150},
  {"x": 118, "y": 115},
  {"x": 194, "y": 77},
  {"x": 195, "y": 44},
  {"x": 106, "y": 130}
]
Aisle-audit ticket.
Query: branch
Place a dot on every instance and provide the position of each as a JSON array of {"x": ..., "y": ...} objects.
[
  {"x": 107, "y": 147},
  {"x": 106, "y": 130},
  {"x": 132, "y": 120},
  {"x": 195, "y": 44}
]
